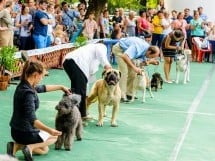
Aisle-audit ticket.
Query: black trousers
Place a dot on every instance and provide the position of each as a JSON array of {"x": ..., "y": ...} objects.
[{"x": 78, "y": 82}]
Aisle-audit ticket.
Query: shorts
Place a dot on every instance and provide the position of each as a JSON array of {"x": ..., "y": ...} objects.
[{"x": 169, "y": 53}]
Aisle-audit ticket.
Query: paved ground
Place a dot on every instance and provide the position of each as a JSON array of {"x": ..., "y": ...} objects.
[{"x": 177, "y": 125}]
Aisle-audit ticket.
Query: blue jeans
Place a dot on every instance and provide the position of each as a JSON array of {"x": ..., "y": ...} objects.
[{"x": 40, "y": 41}]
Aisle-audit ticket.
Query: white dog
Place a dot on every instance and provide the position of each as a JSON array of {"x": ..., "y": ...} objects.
[
  {"x": 183, "y": 65},
  {"x": 142, "y": 82}
]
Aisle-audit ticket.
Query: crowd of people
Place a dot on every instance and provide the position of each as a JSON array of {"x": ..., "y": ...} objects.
[{"x": 151, "y": 35}]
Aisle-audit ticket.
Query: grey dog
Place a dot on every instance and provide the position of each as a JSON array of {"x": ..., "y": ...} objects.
[{"x": 68, "y": 120}]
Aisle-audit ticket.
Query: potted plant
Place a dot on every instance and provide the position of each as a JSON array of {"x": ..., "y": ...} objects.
[
  {"x": 7, "y": 65},
  {"x": 80, "y": 41}
]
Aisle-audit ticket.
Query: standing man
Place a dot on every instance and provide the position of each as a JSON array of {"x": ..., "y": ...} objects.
[
  {"x": 68, "y": 18},
  {"x": 188, "y": 18},
  {"x": 6, "y": 23},
  {"x": 81, "y": 65},
  {"x": 126, "y": 50},
  {"x": 41, "y": 22}
]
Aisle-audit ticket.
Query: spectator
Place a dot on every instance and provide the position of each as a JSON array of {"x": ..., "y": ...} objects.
[
  {"x": 104, "y": 25},
  {"x": 167, "y": 24},
  {"x": 25, "y": 25},
  {"x": 142, "y": 23},
  {"x": 157, "y": 35},
  {"x": 188, "y": 18},
  {"x": 129, "y": 24},
  {"x": 117, "y": 18},
  {"x": 6, "y": 28},
  {"x": 68, "y": 16},
  {"x": 60, "y": 36},
  {"x": 51, "y": 16},
  {"x": 29, "y": 133},
  {"x": 174, "y": 14},
  {"x": 117, "y": 31},
  {"x": 90, "y": 26},
  {"x": 203, "y": 16},
  {"x": 125, "y": 51},
  {"x": 180, "y": 23},
  {"x": 41, "y": 22},
  {"x": 197, "y": 30}
]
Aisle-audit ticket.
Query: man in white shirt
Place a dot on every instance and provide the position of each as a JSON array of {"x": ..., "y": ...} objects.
[{"x": 80, "y": 65}]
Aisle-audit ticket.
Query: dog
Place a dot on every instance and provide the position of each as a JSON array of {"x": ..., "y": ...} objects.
[
  {"x": 68, "y": 120},
  {"x": 156, "y": 81},
  {"x": 107, "y": 92},
  {"x": 141, "y": 82},
  {"x": 183, "y": 65}
]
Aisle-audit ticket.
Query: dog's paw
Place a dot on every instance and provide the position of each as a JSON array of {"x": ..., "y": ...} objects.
[
  {"x": 57, "y": 148},
  {"x": 99, "y": 124},
  {"x": 79, "y": 139},
  {"x": 176, "y": 82},
  {"x": 67, "y": 149},
  {"x": 114, "y": 124}
]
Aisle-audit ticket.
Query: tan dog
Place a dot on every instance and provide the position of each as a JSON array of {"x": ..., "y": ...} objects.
[
  {"x": 141, "y": 82},
  {"x": 107, "y": 92}
]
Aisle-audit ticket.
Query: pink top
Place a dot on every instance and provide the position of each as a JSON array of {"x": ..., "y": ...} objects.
[{"x": 180, "y": 24}]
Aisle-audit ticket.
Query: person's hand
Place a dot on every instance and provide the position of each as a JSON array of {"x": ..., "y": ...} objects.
[
  {"x": 55, "y": 132},
  {"x": 138, "y": 70},
  {"x": 66, "y": 90},
  {"x": 178, "y": 48},
  {"x": 154, "y": 62}
]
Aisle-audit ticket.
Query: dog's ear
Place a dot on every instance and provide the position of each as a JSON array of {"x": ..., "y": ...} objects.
[
  {"x": 75, "y": 99},
  {"x": 103, "y": 73},
  {"x": 120, "y": 74}
]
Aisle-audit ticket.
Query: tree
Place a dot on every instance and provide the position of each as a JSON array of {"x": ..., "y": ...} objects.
[{"x": 96, "y": 6}]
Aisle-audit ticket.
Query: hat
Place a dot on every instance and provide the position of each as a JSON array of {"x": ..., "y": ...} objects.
[{"x": 178, "y": 34}]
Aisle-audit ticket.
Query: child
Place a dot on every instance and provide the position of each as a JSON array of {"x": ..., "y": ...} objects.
[{"x": 60, "y": 37}]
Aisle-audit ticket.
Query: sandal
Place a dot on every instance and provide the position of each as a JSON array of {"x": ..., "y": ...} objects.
[
  {"x": 27, "y": 154},
  {"x": 10, "y": 146}
]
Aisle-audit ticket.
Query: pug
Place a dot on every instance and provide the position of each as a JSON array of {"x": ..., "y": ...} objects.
[{"x": 107, "y": 92}]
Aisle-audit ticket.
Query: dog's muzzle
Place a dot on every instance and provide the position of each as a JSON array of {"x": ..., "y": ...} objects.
[{"x": 112, "y": 78}]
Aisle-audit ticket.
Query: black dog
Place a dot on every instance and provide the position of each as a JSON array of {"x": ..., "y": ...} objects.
[
  {"x": 156, "y": 81},
  {"x": 68, "y": 120}
]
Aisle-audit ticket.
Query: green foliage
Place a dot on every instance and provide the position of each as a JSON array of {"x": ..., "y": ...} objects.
[
  {"x": 7, "y": 59},
  {"x": 80, "y": 41},
  {"x": 152, "y": 3},
  {"x": 131, "y": 4}
]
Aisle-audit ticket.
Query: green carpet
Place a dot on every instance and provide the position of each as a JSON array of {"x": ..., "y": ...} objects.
[{"x": 176, "y": 125}]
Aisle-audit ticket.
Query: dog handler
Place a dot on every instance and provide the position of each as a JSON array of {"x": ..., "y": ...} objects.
[
  {"x": 81, "y": 65},
  {"x": 173, "y": 42},
  {"x": 125, "y": 51},
  {"x": 29, "y": 133}
]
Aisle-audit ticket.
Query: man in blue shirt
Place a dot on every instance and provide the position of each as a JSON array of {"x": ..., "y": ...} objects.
[
  {"x": 68, "y": 18},
  {"x": 126, "y": 50},
  {"x": 41, "y": 21}
]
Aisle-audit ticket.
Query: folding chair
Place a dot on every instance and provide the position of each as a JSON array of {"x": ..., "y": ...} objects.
[{"x": 200, "y": 52}]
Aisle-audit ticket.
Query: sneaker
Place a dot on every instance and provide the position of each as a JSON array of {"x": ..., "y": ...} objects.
[{"x": 10, "y": 146}]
